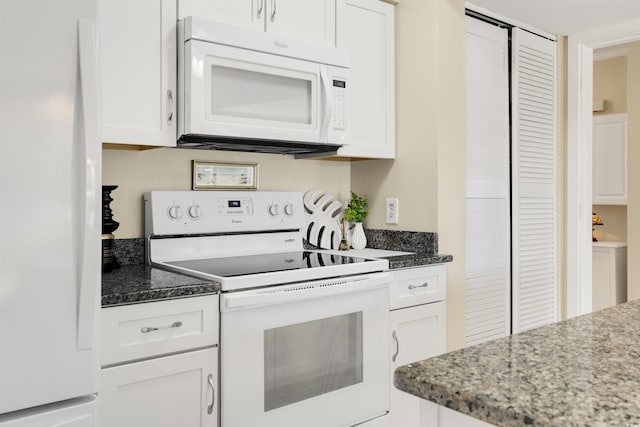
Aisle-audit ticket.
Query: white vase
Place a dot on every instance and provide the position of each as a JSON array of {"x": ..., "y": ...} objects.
[{"x": 358, "y": 238}]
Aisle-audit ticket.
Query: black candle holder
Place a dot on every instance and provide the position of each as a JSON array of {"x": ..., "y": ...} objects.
[{"x": 109, "y": 261}]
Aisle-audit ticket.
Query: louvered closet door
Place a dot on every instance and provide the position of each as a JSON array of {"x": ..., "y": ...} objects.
[
  {"x": 487, "y": 183},
  {"x": 534, "y": 280}
]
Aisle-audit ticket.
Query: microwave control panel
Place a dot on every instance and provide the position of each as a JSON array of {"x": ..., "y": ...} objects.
[{"x": 339, "y": 116}]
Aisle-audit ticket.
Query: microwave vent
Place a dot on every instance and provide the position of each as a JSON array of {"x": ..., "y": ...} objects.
[{"x": 296, "y": 149}]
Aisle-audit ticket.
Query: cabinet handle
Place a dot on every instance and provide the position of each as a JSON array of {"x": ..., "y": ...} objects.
[
  {"x": 273, "y": 10},
  {"x": 213, "y": 394},
  {"x": 170, "y": 100},
  {"x": 424, "y": 285},
  {"x": 395, "y": 338},
  {"x": 260, "y": 8},
  {"x": 147, "y": 329}
]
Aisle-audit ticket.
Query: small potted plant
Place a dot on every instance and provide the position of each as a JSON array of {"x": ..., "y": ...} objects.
[{"x": 356, "y": 212}]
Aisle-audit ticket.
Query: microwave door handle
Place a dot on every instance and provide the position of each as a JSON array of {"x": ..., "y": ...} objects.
[{"x": 327, "y": 101}]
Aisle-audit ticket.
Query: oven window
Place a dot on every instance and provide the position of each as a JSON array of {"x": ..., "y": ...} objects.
[
  {"x": 309, "y": 359},
  {"x": 255, "y": 95}
]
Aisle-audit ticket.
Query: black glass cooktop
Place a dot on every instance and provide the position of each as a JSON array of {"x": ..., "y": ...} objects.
[{"x": 265, "y": 263}]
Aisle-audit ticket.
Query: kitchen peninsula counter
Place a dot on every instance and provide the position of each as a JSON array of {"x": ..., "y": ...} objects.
[
  {"x": 137, "y": 283},
  {"x": 578, "y": 372}
]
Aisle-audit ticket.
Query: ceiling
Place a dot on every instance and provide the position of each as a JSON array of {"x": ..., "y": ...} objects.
[{"x": 565, "y": 17}]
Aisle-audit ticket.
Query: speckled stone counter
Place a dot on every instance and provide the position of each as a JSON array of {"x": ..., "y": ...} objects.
[
  {"x": 417, "y": 260},
  {"x": 580, "y": 372},
  {"x": 138, "y": 283}
]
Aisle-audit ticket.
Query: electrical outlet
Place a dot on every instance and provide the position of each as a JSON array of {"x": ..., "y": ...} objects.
[{"x": 391, "y": 204}]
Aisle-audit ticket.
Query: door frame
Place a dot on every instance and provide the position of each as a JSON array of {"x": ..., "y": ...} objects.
[{"x": 579, "y": 158}]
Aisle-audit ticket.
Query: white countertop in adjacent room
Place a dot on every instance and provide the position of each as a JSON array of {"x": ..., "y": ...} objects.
[{"x": 607, "y": 244}]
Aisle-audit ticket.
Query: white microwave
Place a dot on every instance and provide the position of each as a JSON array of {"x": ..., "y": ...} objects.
[{"x": 248, "y": 90}]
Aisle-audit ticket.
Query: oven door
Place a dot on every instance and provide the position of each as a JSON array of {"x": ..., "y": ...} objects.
[{"x": 311, "y": 354}]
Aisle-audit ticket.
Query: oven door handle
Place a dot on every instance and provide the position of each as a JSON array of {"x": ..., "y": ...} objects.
[{"x": 303, "y": 291}]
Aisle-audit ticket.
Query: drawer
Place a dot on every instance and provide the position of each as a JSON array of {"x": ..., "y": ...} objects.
[
  {"x": 414, "y": 286},
  {"x": 146, "y": 330}
]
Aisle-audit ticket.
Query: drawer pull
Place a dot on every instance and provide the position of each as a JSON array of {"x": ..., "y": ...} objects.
[
  {"x": 424, "y": 285},
  {"x": 213, "y": 394},
  {"x": 147, "y": 329}
]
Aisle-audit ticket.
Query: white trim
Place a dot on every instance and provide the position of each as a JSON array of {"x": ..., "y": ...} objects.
[
  {"x": 609, "y": 53},
  {"x": 491, "y": 14},
  {"x": 579, "y": 173}
]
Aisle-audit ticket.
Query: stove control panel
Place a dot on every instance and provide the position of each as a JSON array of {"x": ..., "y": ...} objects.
[
  {"x": 198, "y": 212},
  {"x": 235, "y": 206}
]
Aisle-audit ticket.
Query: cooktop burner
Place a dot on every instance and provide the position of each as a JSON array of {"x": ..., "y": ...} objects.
[{"x": 265, "y": 263}]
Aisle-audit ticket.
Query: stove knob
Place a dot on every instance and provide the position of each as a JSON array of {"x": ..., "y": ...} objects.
[
  {"x": 288, "y": 209},
  {"x": 273, "y": 209},
  {"x": 194, "y": 212},
  {"x": 174, "y": 212}
]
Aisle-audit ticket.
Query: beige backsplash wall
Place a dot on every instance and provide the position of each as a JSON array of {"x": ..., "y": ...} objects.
[{"x": 135, "y": 172}]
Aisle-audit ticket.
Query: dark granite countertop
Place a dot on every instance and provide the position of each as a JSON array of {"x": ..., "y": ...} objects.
[
  {"x": 417, "y": 260},
  {"x": 583, "y": 371},
  {"x": 138, "y": 283}
]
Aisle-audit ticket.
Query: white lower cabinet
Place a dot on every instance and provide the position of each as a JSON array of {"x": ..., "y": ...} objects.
[
  {"x": 160, "y": 364},
  {"x": 609, "y": 275},
  {"x": 417, "y": 331},
  {"x": 178, "y": 390},
  {"x": 434, "y": 415}
]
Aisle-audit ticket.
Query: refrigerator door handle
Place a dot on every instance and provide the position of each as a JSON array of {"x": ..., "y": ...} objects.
[{"x": 88, "y": 194}]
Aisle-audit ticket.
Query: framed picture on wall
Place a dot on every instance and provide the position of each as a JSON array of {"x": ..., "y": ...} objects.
[{"x": 224, "y": 176}]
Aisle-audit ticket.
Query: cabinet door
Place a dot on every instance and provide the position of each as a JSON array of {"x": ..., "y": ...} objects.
[
  {"x": 169, "y": 391},
  {"x": 305, "y": 19},
  {"x": 609, "y": 275},
  {"x": 245, "y": 13},
  {"x": 417, "y": 333},
  {"x": 366, "y": 28},
  {"x": 139, "y": 63},
  {"x": 610, "y": 159},
  {"x": 601, "y": 278}
]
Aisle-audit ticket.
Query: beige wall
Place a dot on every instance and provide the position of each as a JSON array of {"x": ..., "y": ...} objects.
[
  {"x": 170, "y": 169},
  {"x": 615, "y": 223},
  {"x": 428, "y": 172},
  {"x": 610, "y": 84},
  {"x": 633, "y": 175}
]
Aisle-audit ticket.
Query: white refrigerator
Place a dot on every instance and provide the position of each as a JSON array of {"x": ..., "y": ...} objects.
[{"x": 50, "y": 213}]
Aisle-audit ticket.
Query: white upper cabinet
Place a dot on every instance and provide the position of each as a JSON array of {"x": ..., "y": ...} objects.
[
  {"x": 306, "y": 19},
  {"x": 610, "y": 159},
  {"x": 139, "y": 63},
  {"x": 366, "y": 28}
]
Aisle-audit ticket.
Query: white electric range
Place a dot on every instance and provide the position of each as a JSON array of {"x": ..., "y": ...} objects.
[{"x": 300, "y": 330}]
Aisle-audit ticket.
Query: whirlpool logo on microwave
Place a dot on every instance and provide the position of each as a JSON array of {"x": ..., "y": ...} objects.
[{"x": 280, "y": 45}]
